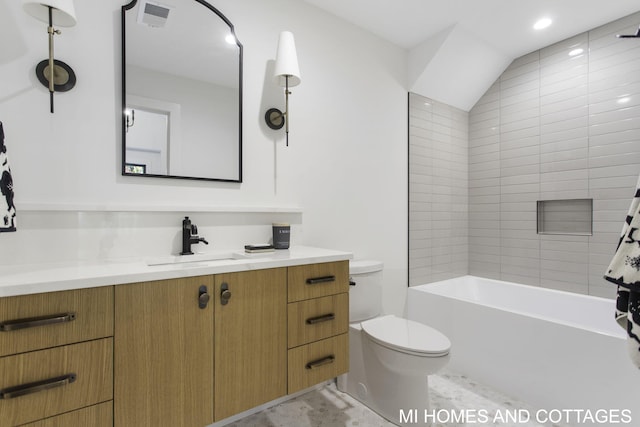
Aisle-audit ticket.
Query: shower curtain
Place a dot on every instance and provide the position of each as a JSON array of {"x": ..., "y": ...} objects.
[
  {"x": 624, "y": 271},
  {"x": 7, "y": 209}
]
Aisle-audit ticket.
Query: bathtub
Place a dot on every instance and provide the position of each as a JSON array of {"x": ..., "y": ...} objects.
[{"x": 554, "y": 350}]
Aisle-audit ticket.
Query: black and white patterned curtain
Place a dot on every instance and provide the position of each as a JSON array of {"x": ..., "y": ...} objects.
[
  {"x": 624, "y": 271},
  {"x": 7, "y": 208}
]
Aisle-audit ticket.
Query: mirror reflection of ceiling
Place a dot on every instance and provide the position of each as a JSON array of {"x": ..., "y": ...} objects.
[{"x": 178, "y": 44}]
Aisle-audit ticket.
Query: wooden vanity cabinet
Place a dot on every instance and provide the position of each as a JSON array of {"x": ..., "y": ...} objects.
[
  {"x": 164, "y": 353},
  {"x": 318, "y": 322},
  {"x": 56, "y": 364},
  {"x": 172, "y": 353},
  {"x": 250, "y": 340}
]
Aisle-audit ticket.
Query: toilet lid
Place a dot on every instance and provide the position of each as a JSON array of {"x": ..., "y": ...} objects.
[{"x": 407, "y": 336}]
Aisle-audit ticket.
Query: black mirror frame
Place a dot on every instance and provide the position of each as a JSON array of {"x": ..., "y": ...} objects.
[{"x": 124, "y": 9}]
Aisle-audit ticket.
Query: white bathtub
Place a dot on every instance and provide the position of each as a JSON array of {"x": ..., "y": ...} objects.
[{"x": 551, "y": 349}]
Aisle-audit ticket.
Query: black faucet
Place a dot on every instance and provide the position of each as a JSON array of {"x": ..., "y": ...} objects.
[{"x": 190, "y": 236}]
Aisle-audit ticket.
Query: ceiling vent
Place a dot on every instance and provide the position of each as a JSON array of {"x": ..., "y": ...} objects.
[{"x": 153, "y": 14}]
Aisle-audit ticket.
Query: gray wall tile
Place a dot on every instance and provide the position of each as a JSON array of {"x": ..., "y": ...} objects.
[
  {"x": 553, "y": 126},
  {"x": 439, "y": 187},
  {"x": 563, "y": 134}
]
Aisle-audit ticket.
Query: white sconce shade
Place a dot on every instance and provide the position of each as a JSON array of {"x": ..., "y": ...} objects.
[
  {"x": 287, "y": 61},
  {"x": 64, "y": 13},
  {"x": 286, "y": 74}
]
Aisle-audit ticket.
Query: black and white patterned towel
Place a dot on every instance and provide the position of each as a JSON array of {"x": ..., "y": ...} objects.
[
  {"x": 624, "y": 271},
  {"x": 7, "y": 209}
]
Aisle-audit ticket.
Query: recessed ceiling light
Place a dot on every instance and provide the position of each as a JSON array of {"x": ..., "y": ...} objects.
[
  {"x": 575, "y": 52},
  {"x": 624, "y": 100},
  {"x": 542, "y": 24}
]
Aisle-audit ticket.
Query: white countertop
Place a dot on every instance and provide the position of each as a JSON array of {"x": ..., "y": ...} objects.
[{"x": 38, "y": 278}]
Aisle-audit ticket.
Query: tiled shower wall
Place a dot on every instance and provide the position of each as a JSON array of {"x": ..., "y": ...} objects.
[
  {"x": 438, "y": 187},
  {"x": 560, "y": 123}
]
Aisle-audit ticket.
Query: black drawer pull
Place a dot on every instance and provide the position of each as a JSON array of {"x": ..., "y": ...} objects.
[
  {"x": 14, "y": 325},
  {"x": 323, "y": 279},
  {"x": 24, "y": 389},
  {"x": 321, "y": 362},
  {"x": 320, "y": 319}
]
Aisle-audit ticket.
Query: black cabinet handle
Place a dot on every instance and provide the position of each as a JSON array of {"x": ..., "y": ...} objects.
[
  {"x": 225, "y": 294},
  {"x": 321, "y": 362},
  {"x": 32, "y": 322},
  {"x": 203, "y": 297},
  {"x": 35, "y": 387},
  {"x": 323, "y": 279},
  {"x": 320, "y": 319}
]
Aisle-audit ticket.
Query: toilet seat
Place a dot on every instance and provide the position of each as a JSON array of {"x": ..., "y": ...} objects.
[{"x": 407, "y": 336}]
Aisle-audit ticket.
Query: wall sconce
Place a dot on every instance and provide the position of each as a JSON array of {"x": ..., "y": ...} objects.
[
  {"x": 53, "y": 74},
  {"x": 287, "y": 74}
]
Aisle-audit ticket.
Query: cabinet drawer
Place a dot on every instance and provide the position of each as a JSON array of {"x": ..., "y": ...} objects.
[
  {"x": 318, "y": 280},
  {"x": 34, "y": 322},
  {"x": 91, "y": 362},
  {"x": 316, "y": 362},
  {"x": 95, "y": 416},
  {"x": 317, "y": 318}
]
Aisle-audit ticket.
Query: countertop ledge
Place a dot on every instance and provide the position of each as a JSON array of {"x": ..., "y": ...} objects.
[{"x": 51, "y": 277}]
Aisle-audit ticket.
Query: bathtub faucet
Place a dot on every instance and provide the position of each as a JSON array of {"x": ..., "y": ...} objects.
[{"x": 190, "y": 236}]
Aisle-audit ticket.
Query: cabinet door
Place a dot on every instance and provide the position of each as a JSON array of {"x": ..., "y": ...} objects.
[
  {"x": 40, "y": 384},
  {"x": 163, "y": 354},
  {"x": 317, "y": 318},
  {"x": 65, "y": 317},
  {"x": 318, "y": 280},
  {"x": 251, "y": 340},
  {"x": 319, "y": 361}
]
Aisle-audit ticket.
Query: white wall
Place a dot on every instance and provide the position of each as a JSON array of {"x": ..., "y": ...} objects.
[
  {"x": 345, "y": 167},
  {"x": 455, "y": 67}
]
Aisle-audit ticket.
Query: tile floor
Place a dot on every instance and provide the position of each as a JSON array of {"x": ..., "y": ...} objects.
[{"x": 328, "y": 407}]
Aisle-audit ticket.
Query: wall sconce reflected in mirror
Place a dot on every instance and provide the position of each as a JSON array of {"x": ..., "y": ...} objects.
[
  {"x": 130, "y": 118},
  {"x": 286, "y": 74},
  {"x": 52, "y": 73}
]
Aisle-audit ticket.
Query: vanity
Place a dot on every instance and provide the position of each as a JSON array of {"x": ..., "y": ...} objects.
[{"x": 175, "y": 344}]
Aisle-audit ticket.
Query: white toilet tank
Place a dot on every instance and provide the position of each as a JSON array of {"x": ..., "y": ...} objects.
[{"x": 365, "y": 292}]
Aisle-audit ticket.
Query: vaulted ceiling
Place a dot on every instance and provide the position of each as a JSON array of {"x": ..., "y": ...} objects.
[{"x": 457, "y": 48}]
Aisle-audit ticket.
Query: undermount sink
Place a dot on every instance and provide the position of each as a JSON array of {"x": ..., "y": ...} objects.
[{"x": 197, "y": 257}]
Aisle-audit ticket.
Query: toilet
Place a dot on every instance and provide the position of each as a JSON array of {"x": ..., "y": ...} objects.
[{"x": 390, "y": 358}]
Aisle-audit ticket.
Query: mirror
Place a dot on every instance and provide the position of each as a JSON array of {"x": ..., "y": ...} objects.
[{"x": 181, "y": 91}]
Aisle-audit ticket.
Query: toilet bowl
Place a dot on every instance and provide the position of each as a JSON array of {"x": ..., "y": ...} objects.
[{"x": 390, "y": 358}]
